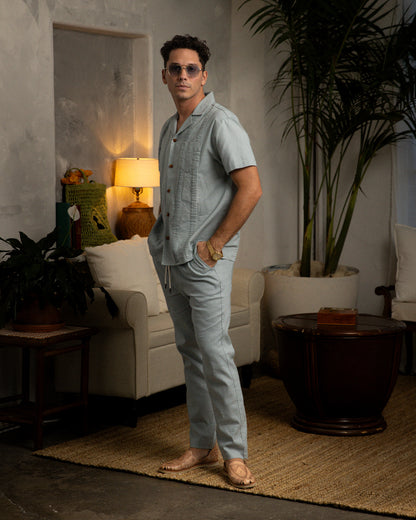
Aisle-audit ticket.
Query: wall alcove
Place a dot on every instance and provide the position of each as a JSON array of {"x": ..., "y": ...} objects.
[{"x": 103, "y": 109}]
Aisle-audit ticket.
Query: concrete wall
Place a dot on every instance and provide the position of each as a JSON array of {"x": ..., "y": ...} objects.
[
  {"x": 270, "y": 235},
  {"x": 27, "y": 158},
  {"x": 238, "y": 71}
]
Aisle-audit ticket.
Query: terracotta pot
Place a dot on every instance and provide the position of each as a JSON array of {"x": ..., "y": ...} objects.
[{"x": 32, "y": 317}]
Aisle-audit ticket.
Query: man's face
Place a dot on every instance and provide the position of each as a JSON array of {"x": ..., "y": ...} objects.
[{"x": 181, "y": 86}]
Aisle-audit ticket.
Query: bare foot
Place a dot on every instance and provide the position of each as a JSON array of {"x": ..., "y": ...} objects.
[
  {"x": 238, "y": 474},
  {"x": 192, "y": 458}
]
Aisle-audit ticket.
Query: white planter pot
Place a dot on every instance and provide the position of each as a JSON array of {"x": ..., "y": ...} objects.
[
  {"x": 296, "y": 294},
  {"x": 285, "y": 295}
]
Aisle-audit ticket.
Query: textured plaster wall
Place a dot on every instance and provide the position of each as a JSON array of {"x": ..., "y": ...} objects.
[
  {"x": 370, "y": 245},
  {"x": 27, "y": 160},
  {"x": 270, "y": 235},
  {"x": 101, "y": 97},
  {"x": 94, "y": 102}
]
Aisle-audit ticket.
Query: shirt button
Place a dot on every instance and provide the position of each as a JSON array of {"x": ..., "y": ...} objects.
[
  {"x": 174, "y": 140},
  {"x": 170, "y": 165},
  {"x": 168, "y": 190},
  {"x": 168, "y": 237},
  {"x": 167, "y": 214}
]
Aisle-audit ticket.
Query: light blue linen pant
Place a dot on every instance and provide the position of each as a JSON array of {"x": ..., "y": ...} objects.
[{"x": 199, "y": 302}]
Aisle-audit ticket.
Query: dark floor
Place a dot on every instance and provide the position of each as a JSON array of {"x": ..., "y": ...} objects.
[{"x": 34, "y": 488}]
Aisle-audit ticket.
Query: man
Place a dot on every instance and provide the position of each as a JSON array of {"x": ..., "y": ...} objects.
[{"x": 209, "y": 186}]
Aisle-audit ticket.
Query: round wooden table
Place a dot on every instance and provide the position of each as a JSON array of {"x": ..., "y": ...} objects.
[{"x": 339, "y": 377}]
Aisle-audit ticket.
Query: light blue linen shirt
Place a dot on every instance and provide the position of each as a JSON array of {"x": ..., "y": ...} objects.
[{"x": 196, "y": 189}]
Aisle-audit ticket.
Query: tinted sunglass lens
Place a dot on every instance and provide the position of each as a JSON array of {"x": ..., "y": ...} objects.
[
  {"x": 174, "y": 70},
  {"x": 191, "y": 70}
]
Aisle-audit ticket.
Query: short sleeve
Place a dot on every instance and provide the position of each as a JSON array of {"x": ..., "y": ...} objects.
[{"x": 233, "y": 144}]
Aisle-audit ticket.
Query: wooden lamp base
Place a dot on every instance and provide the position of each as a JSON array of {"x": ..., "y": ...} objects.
[{"x": 135, "y": 219}]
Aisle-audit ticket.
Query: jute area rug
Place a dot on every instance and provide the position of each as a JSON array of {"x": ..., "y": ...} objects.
[{"x": 374, "y": 473}]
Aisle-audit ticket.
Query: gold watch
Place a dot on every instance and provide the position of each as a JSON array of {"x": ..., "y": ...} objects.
[{"x": 215, "y": 255}]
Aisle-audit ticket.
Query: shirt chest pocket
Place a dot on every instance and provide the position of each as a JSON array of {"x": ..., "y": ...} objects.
[{"x": 190, "y": 156}]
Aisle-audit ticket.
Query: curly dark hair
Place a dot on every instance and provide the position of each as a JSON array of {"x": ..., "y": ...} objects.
[{"x": 186, "y": 42}]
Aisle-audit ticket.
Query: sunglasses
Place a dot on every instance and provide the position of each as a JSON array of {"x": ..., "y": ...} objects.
[{"x": 175, "y": 70}]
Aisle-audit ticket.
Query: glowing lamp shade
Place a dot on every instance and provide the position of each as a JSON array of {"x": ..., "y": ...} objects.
[
  {"x": 137, "y": 218},
  {"x": 137, "y": 173}
]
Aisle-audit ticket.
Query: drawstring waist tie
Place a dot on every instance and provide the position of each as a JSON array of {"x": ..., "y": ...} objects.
[{"x": 168, "y": 278}]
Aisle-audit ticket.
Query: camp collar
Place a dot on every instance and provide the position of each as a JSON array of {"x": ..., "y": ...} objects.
[
  {"x": 199, "y": 110},
  {"x": 203, "y": 105}
]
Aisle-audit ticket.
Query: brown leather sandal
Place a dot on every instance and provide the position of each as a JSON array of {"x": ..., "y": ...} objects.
[
  {"x": 238, "y": 474},
  {"x": 189, "y": 461}
]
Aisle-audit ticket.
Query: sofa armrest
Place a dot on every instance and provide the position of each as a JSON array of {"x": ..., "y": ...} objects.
[
  {"x": 248, "y": 287},
  {"x": 119, "y": 351},
  {"x": 132, "y": 308}
]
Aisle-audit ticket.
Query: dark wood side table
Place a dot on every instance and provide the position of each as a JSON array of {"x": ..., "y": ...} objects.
[
  {"x": 45, "y": 345},
  {"x": 339, "y": 377}
]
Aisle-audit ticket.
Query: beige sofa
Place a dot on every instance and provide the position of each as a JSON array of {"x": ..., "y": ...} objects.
[{"x": 134, "y": 355}]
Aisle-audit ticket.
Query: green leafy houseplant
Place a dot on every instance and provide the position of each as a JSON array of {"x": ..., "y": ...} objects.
[
  {"x": 43, "y": 272},
  {"x": 349, "y": 70}
]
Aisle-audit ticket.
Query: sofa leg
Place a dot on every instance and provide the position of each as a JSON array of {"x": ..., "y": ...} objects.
[{"x": 246, "y": 375}]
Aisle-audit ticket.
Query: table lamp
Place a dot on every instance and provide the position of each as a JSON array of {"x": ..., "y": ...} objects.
[{"x": 137, "y": 218}]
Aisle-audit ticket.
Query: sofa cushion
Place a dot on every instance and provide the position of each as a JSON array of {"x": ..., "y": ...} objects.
[
  {"x": 404, "y": 311},
  {"x": 405, "y": 238},
  {"x": 161, "y": 330},
  {"x": 125, "y": 265}
]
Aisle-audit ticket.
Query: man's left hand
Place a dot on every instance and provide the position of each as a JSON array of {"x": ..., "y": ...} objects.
[{"x": 204, "y": 255}]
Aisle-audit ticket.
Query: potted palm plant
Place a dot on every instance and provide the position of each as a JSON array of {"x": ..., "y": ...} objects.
[
  {"x": 349, "y": 70},
  {"x": 37, "y": 278}
]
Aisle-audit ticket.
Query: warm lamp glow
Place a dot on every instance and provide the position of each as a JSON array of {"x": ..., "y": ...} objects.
[{"x": 137, "y": 173}]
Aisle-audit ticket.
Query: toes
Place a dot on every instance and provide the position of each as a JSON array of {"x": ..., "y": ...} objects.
[{"x": 238, "y": 473}]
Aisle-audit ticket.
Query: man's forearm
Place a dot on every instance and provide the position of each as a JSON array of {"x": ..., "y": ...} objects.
[
  {"x": 240, "y": 209},
  {"x": 248, "y": 194}
]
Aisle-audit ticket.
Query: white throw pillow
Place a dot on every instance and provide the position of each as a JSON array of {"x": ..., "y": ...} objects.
[
  {"x": 125, "y": 265},
  {"x": 405, "y": 237}
]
